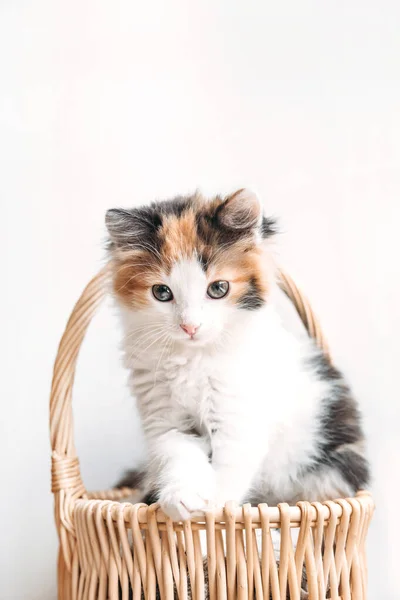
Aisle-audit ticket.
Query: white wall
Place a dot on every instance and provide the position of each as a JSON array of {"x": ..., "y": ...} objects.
[{"x": 114, "y": 103}]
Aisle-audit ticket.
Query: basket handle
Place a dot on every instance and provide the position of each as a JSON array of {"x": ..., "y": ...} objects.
[
  {"x": 305, "y": 312},
  {"x": 67, "y": 484}
]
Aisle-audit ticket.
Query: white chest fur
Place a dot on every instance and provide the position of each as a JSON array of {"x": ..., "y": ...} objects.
[{"x": 255, "y": 387}]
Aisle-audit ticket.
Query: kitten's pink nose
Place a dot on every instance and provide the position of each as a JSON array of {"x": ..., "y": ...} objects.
[{"x": 189, "y": 329}]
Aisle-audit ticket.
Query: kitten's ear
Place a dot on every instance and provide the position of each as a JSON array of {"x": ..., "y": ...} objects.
[
  {"x": 241, "y": 210},
  {"x": 124, "y": 226},
  {"x": 118, "y": 222}
]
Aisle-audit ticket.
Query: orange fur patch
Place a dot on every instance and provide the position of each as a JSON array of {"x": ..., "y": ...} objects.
[
  {"x": 239, "y": 265},
  {"x": 133, "y": 274},
  {"x": 179, "y": 237}
]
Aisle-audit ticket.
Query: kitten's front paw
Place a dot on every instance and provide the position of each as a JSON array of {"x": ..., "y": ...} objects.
[{"x": 182, "y": 504}]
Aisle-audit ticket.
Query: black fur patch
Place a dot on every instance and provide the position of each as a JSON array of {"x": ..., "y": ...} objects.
[
  {"x": 150, "y": 498},
  {"x": 132, "y": 479},
  {"x": 252, "y": 299},
  {"x": 139, "y": 227},
  {"x": 203, "y": 260},
  {"x": 268, "y": 227},
  {"x": 340, "y": 425},
  {"x": 213, "y": 234},
  {"x": 323, "y": 368},
  {"x": 135, "y": 481},
  {"x": 341, "y": 418},
  {"x": 176, "y": 206},
  {"x": 353, "y": 467},
  {"x": 136, "y": 228},
  {"x": 341, "y": 421}
]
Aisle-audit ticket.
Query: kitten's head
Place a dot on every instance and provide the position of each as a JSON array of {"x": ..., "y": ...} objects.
[{"x": 189, "y": 268}]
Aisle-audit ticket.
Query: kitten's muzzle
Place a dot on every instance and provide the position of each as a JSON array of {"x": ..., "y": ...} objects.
[{"x": 190, "y": 329}]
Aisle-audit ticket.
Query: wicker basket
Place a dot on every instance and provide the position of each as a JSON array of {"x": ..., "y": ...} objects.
[{"x": 112, "y": 550}]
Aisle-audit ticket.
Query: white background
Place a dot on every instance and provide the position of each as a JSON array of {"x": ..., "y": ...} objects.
[{"x": 115, "y": 103}]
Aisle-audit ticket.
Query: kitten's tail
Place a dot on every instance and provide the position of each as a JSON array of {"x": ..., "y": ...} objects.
[{"x": 135, "y": 479}]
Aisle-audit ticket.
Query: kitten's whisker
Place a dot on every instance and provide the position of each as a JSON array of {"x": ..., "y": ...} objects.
[
  {"x": 143, "y": 340},
  {"x": 145, "y": 329},
  {"x": 148, "y": 248},
  {"x": 157, "y": 338},
  {"x": 168, "y": 340},
  {"x": 129, "y": 265},
  {"x": 129, "y": 280}
]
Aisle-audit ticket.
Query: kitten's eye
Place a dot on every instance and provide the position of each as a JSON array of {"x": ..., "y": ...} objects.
[
  {"x": 162, "y": 293},
  {"x": 218, "y": 289}
]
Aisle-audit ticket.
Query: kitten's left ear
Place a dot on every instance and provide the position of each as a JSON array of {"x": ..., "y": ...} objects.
[{"x": 241, "y": 210}]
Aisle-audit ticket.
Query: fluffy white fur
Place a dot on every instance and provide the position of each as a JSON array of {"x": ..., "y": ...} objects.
[{"x": 240, "y": 383}]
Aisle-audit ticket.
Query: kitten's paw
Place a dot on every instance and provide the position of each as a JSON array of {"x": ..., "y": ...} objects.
[{"x": 182, "y": 504}]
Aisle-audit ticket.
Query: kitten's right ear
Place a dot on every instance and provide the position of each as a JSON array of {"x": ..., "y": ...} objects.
[{"x": 122, "y": 225}]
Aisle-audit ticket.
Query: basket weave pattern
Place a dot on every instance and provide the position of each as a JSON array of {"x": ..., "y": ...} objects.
[{"x": 111, "y": 550}]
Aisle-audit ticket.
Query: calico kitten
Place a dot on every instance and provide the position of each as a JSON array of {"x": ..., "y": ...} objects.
[{"x": 233, "y": 407}]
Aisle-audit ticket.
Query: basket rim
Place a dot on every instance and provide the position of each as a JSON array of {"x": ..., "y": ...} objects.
[{"x": 315, "y": 510}]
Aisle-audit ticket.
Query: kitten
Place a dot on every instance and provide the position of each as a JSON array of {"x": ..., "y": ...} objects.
[{"x": 233, "y": 407}]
